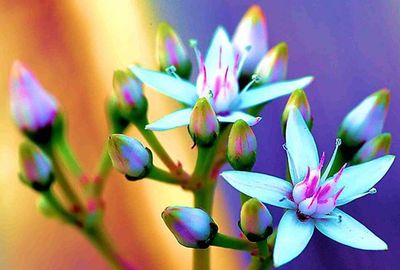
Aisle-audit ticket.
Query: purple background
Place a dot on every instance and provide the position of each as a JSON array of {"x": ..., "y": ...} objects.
[{"x": 353, "y": 49}]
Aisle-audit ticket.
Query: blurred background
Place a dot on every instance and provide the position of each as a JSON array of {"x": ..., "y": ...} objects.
[{"x": 73, "y": 47}]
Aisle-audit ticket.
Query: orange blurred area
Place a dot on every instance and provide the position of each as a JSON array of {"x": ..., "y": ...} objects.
[{"x": 73, "y": 47}]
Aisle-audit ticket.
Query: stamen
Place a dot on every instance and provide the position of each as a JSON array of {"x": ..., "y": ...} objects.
[
  {"x": 337, "y": 217},
  {"x": 291, "y": 162},
  {"x": 330, "y": 164},
  {"x": 254, "y": 79},
  {"x": 220, "y": 57},
  {"x": 243, "y": 59},
  {"x": 171, "y": 70},
  {"x": 193, "y": 44},
  {"x": 369, "y": 192},
  {"x": 321, "y": 161},
  {"x": 226, "y": 76}
]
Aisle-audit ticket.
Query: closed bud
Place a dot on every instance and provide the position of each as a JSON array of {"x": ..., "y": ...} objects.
[
  {"x": 273, "y": 66},
  {"x": 192, "y": 227},
  {"x": 32, "y": 107},
  {"x": 374, "y": 148},
  {"x": 131, "y": 102},
  {"x": 129, "y": 156},
  {"x": 203, "y": 125},
  {"x": 251, "y": 37},
  {"x": 171, "y": 52},
  {"x": 36, "y": 167},
  {"x": 366, "y": 120},
  {"x": 255, "y": 220},
  {"x": 45, "y": 207},
  {"x": 297, "y": 99},
  {"x": 242, "y": 146}
]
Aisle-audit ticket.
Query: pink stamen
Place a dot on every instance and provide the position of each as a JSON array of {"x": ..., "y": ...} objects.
[
  {"x": 321, "y": 161},
  {"x": 220, "y": 57}
]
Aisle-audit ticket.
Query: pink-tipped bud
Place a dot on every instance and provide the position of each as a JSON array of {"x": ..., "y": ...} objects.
[
  {"x": 203, "y": 126},
  {"x": 171, "y": 52},
  {"x": 374, "y": 148},
  {"x": 273, "y": 66},
  {"x": 36, "y": 167},
  {"x": 251, "y": 33},
  {"x": 366, "y": 120},
  {"x": 129, "y": 156},
  {"x": 192, "y": 227},
  {"x": 32, "y": 107},
  {"x": 131, "y": 102},
  {"x": 297, "y": 99},
  {"x": 242, "y": 146},
  {"x": 255, "y": 220}
]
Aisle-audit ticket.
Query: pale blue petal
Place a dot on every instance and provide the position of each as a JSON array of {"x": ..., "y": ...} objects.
[
  {"x": 293, "y": 236},
  {"x": 173, "y": 120},
  {"x": 266, "y": 188},
  {"x": 301, "y": 148},
  {"x": 349, "y": 232},
  {"x": 175, "y": 88},
  {"x": 272, "y": 91},
  {"x": 360, "y": 178},
  {"x": 233, "y": 116},
  {"x": 220, "y": 44}
]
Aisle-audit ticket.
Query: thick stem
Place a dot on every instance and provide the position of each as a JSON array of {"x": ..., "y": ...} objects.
[
  {"x": 59, "y": 208},
  {"x": 163, "y": 176},
  {"x": 264, "y": 260},
  {"x": 63, "y": 149},
  {"x": 225, "y": 241}
]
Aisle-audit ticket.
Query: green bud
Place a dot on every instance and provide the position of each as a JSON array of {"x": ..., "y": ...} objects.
[
  {"x": 192, "y": 227},
  {"x": 255, "y": 220},
  {"x": 374, "y": 148},
  {"x": 242, "y": 146},
  {"x": 297, "y": 99},
  {"x": 203, "y": 126},
  {"x": 273, "y": 66},
  {"x": 36, "y": 167},
  {"x": 171, "y": 52}
]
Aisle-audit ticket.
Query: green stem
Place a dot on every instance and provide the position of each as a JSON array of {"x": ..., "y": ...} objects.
[
  {"x": 63, "y": 149},
  {"x": 264, "y": 260},
  {"x": 103, "y": 169},
  {"x": 57, "y": 206},
  {"x": 225, "y": 241},
  {"x": 163, "y": 176}
]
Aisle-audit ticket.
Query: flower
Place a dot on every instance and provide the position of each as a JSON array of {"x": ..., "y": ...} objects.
[
  {"x": 217, "y": 81},
  {"x": 311, "y": 199},
  {"x": 192, "y": 227},
  {"x": 171, "y": 52},
  {"x": 129, "y": 156},
  {"x": 242, "y": 146},
  {"x": 36, "y": 167},
  {"x": 203, "y": 126},
  {"x": 255, "y": 220},
  {"x": 366, "y": 120},
  {"x": 32, "y": 107}
]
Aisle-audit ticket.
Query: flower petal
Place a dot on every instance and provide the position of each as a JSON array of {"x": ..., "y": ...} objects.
[
  {"x": 220, "y": 51},
  {"x": 361, "y": 178},
  {"x": 272, "y": 91},
  {"x": 233, "y": 116},
  {"x": 350, "y": 232},
  {"x": 301, "y": 148},
  {"x": 293, "y": 236},
  {"x": 177, "y": 89},
  {"x": 173, "y": 120},
  {"x": 266, "y": 188}
]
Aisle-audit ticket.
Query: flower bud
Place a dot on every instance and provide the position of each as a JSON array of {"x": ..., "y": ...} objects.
[
  {"x": 203, "y": 126},
  {"x": 171, "y": 52},
  {"x": 273, "y": 66},
  {"x": 32, "y": 107},
  {"x": 44, "y": 207},
  {"x": 242, "y": 146},
  {"x": 297, "y": 99},
  {"x": 366, "y": 120},
  {"x": 251, "y": 32},
  {"x": 36, "y": 167},
  {"x": 192, "y": 227},
  {"x": 374, "y": 148},
  {"x": 129, "y": 156},
  {"x": 131, "y": 102},
  {"x": 255, "y": 220}
]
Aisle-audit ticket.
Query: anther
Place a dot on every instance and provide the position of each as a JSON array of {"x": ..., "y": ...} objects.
[
  {"x": 338, "y": 141},
  {"x": 193, "y": 44},
  {"x": 243, "y": 58},
  {"x": 171, "y": 70},
  {"x": 254, "y": 78}
]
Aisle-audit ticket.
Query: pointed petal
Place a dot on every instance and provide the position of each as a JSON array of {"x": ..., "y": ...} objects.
[
  {"x": 361, "y": 178},
  {"x": 293, "y": 236},
  {"x": 269, "y": 92},
  {"x": 173, "y": 120},
  {"x": 233, "y": 116},
  {"x": 301, "y": 148},
  {"x": 350, "y": 232},
  {"x": 177, "y": 89},
  {"x": 266, "y": 188},
  {"x": 220, "y": 44}
]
